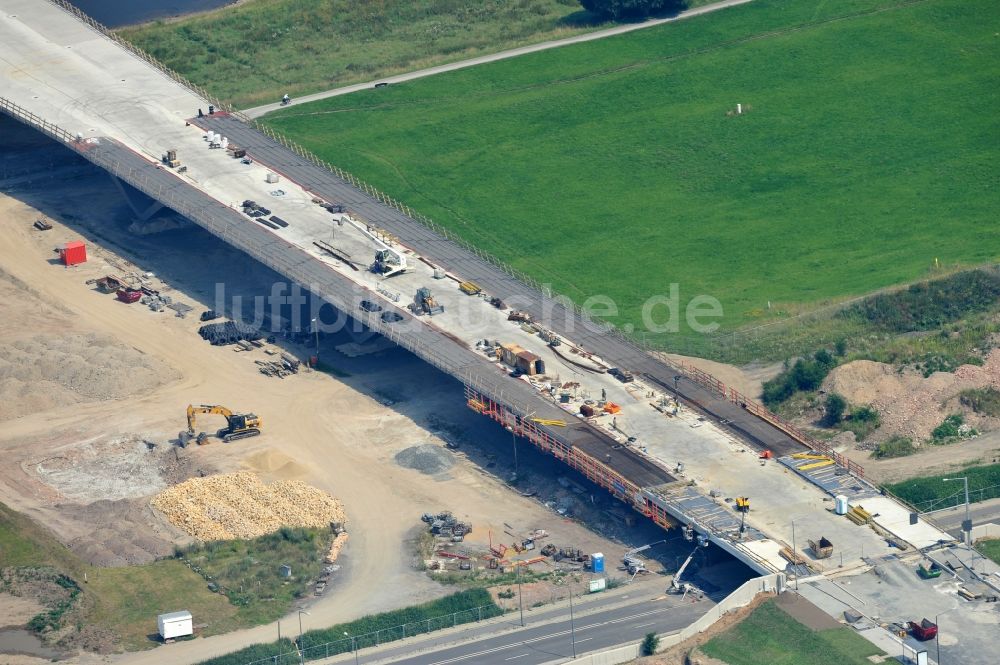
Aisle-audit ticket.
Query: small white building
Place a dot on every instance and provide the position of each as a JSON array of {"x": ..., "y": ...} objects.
[{"x": 175, "y": 624}]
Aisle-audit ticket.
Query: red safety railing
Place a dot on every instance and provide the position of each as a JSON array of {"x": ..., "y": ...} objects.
[{"x": 762, "y": 412}]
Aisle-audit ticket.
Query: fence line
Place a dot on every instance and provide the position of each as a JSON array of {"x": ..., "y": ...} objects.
[
  {"x": 637, "y": 345},
  {"x": 378, "y": 637}
]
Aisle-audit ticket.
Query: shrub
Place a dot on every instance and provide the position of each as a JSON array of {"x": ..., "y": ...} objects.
[
  {"x": 930, "y": 305},
  {"x": 985, "y": 401},
  {"x": 617, "y": 9},
  {"x": 897, "y": 446},
  {"x": 862, "y": 421},
  {"x": 649, "y": 644},
  {"x": 949, "y": 429},
  {"x": 833, "y": 409},
  {"x": 804, "y": 375}
]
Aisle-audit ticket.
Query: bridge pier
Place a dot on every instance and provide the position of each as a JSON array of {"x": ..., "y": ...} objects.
[{"x": 151, "y": 216}]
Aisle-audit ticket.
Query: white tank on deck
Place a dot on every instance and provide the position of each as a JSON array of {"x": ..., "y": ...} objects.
[{"x": 840, "y": 507}]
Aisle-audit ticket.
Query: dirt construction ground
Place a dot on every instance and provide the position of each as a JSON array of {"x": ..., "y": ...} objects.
[{"x": 93, "y": 393}]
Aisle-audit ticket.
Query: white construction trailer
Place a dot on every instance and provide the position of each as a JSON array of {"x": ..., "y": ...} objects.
[{"x": 175, "y": 624}]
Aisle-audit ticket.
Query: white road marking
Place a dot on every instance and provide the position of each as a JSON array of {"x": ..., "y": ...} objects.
[
  {"x": 561, "y": 633},
  {"x": 518, "y": 656}
]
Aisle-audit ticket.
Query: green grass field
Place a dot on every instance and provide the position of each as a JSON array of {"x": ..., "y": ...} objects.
[
  {"x": 931, "y": 492},
  {"x": 868, "y": 150},
  {"x": 770, "y": 636},
  {"x": 254, "y": 53},
  {"x": 990, "y": 548},
  {"x": 126, "y": 600}
]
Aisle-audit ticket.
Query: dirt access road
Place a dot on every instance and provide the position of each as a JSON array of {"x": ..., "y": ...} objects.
[
  {"x": 332, "y": 433},
  {"x": 258, "y": 111}
]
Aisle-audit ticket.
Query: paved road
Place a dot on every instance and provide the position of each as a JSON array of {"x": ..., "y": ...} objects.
[
  {"x": 258, "y": 111},
  {"x": 544, "y": 641},
  {"x": 950, "y": 519}
]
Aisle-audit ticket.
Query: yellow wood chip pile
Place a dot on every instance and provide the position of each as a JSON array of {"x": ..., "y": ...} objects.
[
  {"x": 335, "y": 547},
  {"x": 240, "y": 505}
]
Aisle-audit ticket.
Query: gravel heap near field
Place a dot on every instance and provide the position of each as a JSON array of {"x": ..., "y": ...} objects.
[
  {"x": 240, "y": 505},
  {"x": 909, "y": 404},
  {"x": 426, "y": 458},
  {"x": 48, "y": 371}
]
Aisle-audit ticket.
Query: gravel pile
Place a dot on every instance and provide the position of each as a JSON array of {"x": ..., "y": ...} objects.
[
  {"x": 426, "y": 458},
  {"x": 909, "y": 404},
  {"x": 240, "y": 505},
  {"x": 48, "y": 371}
]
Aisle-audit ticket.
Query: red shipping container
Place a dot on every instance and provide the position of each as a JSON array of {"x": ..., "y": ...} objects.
[{"x": 73, "y": 253}]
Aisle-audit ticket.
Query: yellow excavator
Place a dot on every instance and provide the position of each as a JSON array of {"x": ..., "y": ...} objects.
[{"x": 238, "y": 425}]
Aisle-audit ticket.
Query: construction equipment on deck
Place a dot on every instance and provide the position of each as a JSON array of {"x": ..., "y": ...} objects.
[
  {"x": 823, "y": 549},
  {"x": 238, "y": 425},
  {"x": 743, "y": 507},
  {"x": 470, "y": 288},
  {"x": 550, "y": 423},
  {"x": 388, "y": 262},
  {"x": 520, "y": 317},
  {"x": 859, "y": 515},
  {"x": 170, "y": 159},
  {"x": 42, "y": 225},
  {"x": 424, "y": 303}
]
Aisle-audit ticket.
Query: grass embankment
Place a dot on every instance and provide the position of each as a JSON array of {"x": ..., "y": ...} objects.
[
  {"x": 932, "y": 493},
  {"x": 990, "y": 548},
  {"x": 931, "y": 326},
  {"x": 616, "y": 167},
  {"x": 459, "y": 608},
  {"x": 124, "y": 602},
  {"x": 254, "y": 53},
  {"x": 770, "y": 636}
]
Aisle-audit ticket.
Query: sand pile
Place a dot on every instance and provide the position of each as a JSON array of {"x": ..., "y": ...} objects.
[
  {"x": 911, "y": 405},
  {"x": 240, "y": 505},
  {"x": 47, "y": 371}
]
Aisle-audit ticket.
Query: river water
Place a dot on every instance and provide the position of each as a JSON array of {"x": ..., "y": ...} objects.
[{"x": 116, "y": 13}]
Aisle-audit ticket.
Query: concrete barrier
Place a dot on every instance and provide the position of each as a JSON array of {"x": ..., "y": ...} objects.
[
  {"x": 988, "y": 530},
  {"x": 741, "y": 597}
]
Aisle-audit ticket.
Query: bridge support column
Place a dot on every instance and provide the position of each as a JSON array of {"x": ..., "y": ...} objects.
[{"x": 151, "y": 216}]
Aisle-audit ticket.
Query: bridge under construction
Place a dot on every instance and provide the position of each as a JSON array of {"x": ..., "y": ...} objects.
[{"x": 665, "y": 438}]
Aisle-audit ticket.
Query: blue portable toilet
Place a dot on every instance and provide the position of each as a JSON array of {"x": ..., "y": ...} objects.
[{"x": 597, "y": 562}]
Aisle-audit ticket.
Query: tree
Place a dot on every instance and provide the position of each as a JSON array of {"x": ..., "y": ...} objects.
[
  {"x": 619, "y": 9},
  {"x": 649, "y": 644},
  {"x": 834, "y": 409}
]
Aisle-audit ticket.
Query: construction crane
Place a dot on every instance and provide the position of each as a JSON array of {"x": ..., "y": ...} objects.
[
  {"x": 633, "y": 564},
  {"x": 676, "y": 585},
  {"x": 238, "y": 425},
  {"x": 388, "y": 261}
]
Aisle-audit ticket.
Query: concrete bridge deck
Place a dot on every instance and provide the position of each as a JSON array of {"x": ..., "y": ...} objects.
[{"x": 69, "y": 80}]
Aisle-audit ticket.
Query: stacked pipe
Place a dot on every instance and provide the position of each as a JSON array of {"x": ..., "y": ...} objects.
[{"x": 230, "y": 332}]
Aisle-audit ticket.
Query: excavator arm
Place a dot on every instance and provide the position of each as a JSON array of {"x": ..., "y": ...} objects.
[
  {"x": 193, "y": 411},
  {"x": 238, "y": 426}
]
